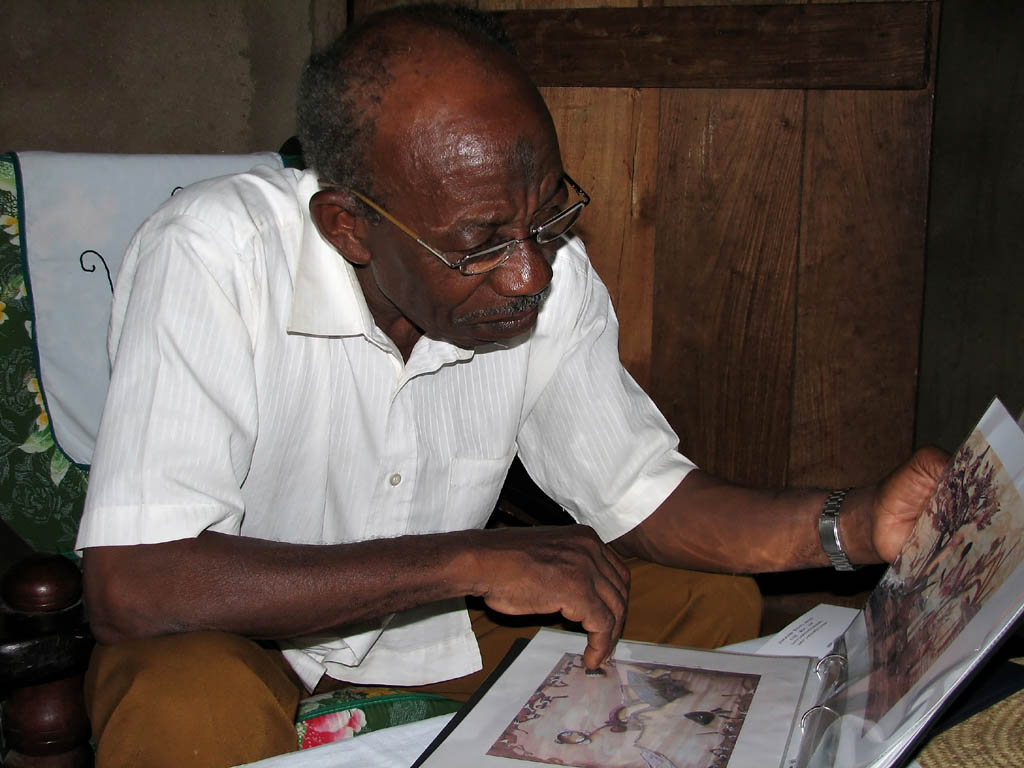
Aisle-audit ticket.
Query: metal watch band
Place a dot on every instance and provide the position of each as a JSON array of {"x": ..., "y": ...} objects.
[{"x": 828, "y": 531}]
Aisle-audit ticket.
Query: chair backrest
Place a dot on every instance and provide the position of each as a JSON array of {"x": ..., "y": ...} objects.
[{"x": 67, "y": 219}]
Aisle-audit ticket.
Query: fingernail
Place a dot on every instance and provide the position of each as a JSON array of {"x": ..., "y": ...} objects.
[{"x": 595, "y": 672}]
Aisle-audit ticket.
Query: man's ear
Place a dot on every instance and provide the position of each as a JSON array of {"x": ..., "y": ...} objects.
[{"x": 331, "y": 210}]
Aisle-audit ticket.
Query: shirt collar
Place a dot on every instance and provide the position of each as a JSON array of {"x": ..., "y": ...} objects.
[{"x": 327, "y": 299}]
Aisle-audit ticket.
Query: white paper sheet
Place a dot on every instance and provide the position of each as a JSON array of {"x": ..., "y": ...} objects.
[{"x": 812, "y": 634}]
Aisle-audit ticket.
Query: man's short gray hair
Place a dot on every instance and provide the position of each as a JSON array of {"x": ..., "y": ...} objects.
[{"x": 342, "y": 86}]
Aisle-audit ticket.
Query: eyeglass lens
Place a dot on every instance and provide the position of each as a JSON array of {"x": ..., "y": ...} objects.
[{"x": 550, "y": 230}]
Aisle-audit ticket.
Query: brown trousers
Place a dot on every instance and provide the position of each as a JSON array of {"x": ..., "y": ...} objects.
[{"x": 216, "y": 699}]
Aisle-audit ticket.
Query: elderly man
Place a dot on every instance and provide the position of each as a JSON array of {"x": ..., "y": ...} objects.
[{"x": 319, "y": 382}]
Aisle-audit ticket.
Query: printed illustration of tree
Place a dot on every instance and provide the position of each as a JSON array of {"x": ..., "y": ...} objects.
[
  {"x": 949, "y": 571},
  {"x": 969, "y": 497}
]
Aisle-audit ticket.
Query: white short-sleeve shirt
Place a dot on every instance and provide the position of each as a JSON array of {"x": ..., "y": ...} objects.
[{"x": 252, "y": 394}]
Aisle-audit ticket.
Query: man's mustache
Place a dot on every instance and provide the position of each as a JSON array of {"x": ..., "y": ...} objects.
[{"x": 516, "y": 306}]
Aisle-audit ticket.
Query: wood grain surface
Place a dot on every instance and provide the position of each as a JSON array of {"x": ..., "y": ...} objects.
[
  {"x": 726, "y": 262},
  {"x": 847, "y": 45}
]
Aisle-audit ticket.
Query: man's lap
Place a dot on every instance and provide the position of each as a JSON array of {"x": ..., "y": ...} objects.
[{"x": 666, "y": 606}]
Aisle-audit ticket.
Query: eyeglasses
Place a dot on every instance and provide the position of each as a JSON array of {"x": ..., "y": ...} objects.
[{"x": 492, "y": 257}]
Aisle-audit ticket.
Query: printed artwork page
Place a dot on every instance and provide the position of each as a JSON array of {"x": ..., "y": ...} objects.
[
  {"x": 651, "y": 706},
  {"x": 954, "y": 591}
]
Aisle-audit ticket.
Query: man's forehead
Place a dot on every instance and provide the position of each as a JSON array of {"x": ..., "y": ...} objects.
[
  {"x": 510, "y": 143},
  {"x": 472, "y": 171},
  {"x": 438, "y": 138}
]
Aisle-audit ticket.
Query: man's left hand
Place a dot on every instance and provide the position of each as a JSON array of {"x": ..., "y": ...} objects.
[{"x": 901, "y": 498}]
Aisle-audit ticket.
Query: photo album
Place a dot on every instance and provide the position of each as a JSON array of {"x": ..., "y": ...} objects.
[{"x": 953, "y": 593}]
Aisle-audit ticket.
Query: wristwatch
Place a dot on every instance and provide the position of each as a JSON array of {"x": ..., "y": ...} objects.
[{"x": 828, "y": 531}]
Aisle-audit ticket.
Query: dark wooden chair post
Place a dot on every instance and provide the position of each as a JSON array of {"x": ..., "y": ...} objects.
[{"x": 44, "y": 649}]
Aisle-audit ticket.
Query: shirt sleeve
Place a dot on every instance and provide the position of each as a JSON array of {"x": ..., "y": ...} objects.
[
  {"x": 592, "y": 439},
  {"x": 179, "y": 425}
]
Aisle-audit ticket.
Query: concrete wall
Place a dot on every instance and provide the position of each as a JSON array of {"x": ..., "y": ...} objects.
[{"x": 151, "y": 75}]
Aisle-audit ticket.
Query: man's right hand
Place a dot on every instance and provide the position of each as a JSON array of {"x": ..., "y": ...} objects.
[{"x": 561, "y": 569}]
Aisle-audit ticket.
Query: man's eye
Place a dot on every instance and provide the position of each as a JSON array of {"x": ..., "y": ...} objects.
[
  {"x": 480, "y": 244},
  {"x": 469, "y": 237}
]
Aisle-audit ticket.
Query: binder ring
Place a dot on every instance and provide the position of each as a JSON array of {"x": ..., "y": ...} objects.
[
  {"x": 829, "y": 658},
  {"x": 807, "y": 714}
]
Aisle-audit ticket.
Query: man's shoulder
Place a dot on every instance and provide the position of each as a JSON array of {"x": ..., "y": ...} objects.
[
  {"x": 239, "y": 205},
  {"x": 575, "y": 281},
  {"x": 238, "y": 230},
  {"x": 573, "y": 256}
]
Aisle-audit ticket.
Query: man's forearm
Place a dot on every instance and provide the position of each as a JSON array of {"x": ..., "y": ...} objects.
[
  {"x": 272, "y": 590},
  {"x": 267, "y": 589},
  {"x": 708, "y": 524}
]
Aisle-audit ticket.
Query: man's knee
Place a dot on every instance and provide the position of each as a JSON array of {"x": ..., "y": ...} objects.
[
  {"x": 691, "y": 608},
  {"x": 204, "y": 698}
]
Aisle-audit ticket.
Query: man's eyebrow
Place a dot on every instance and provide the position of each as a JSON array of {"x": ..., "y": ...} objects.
[
  {"x": 472, "y": 226},
  {"x": 468, "y": 227},
  {"x": 493, "y": 223}
]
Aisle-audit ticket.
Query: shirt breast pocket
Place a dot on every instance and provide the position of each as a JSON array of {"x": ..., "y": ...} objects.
[{"x": 473, "y": 488}]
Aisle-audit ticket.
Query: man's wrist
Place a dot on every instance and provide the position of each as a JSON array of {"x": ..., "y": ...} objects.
[
  {"x": 828, "y": 531},
  {"x": 855, "y": 525}
]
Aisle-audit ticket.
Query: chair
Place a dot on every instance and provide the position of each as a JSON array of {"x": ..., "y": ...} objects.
[{"x": 67, "y": 220}]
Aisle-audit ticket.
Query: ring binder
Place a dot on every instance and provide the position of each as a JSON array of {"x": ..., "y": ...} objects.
[{"x": 953, "y": 594}]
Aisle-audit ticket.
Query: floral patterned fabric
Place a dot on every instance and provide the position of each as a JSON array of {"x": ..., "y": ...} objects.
[
  {"x": 347, "y": 712},
  {"x": 41, "y": 490}
]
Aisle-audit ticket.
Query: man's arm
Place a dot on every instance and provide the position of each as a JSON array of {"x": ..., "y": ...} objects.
[
  {"x": 270, "y": 589},
  {"x": 710, "y": 525}
]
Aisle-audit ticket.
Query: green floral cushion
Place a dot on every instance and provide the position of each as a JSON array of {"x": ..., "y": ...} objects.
[
  {"x": 350, "y": 711},
  {"x": 41, "y": 490}
]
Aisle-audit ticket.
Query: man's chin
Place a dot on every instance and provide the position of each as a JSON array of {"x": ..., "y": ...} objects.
[{"x": 506, "y": 327}]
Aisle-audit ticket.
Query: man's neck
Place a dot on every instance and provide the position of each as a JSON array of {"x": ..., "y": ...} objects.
[{"x": 387, "y": 316}]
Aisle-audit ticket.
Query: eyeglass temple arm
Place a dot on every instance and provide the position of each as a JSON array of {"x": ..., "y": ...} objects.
[
  {"x": 577, "y": 188},
  {"x": 386, "y": 215},
  {"x": 400, "y": 225}
]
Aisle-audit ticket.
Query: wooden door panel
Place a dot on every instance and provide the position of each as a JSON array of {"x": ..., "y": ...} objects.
[
  {"x": 725, "y": 279},
  {"x": 609, "y": 144},
  {"x": 861, "y": 279}
]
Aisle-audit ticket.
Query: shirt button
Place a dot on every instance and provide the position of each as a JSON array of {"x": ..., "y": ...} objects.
[{"x": 395, "y": 479}]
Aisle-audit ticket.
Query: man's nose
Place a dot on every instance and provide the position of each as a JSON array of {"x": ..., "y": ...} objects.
[{"x": 526, "y": 272}]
